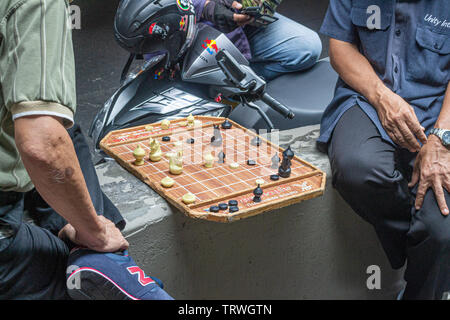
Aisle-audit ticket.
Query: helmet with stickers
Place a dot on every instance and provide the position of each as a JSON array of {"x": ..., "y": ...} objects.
[{"x": 156, "y": 26}]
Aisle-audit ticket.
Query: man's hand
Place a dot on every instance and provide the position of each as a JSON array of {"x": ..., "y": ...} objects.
[
  {"x": 432, "y": 170},
  {"x": 399, "y": 120},
  {"x": 111, "y": 239},
  {"x": 396, "y": 115},
  {"x": 221, "y": 14}
]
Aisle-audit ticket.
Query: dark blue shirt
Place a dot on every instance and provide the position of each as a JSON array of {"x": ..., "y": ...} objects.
[{"x": 409, "y": 50}]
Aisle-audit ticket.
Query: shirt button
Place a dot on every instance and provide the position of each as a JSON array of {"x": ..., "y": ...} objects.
[
  {"x": 398, "y": 32},
  {"x": 396, "y": 69},
  {"x": 436, "y": 46}
]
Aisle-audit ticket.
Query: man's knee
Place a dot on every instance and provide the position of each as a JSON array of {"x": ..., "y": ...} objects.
[
  {"x": 362, "y": 171},
  {"x": 430, "y": 225},
  {"x": 303, "y": 52},
  {"x": 343, "y": 175}
]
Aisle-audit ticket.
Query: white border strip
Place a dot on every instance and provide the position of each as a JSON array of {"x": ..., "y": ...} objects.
[{"x": 42, "y": 113}]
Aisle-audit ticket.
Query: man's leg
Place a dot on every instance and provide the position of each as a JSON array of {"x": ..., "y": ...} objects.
[
  {"x": 283, "y": 46},
  {"x": 428, "y": 251},
  {"x": 366, "y": 174},
  {"x": 32, "y": 260},
  {"x": 372, "y": 176}
]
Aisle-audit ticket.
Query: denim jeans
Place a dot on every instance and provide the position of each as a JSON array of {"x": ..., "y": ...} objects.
[{"x": 281, "y": 47}]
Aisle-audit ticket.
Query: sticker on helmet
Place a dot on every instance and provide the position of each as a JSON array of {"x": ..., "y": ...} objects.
[
  {"x": 184, "y": 23},
  {"x": 155, "y": 29},
  {"x": 184, "y": 4},
  {"x": 152, "y": 26}
]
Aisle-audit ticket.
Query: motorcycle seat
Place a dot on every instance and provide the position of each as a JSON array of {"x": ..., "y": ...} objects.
[{"x": 306, "y": 93}]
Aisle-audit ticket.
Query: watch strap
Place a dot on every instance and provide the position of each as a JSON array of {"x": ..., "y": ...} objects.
[
  {"x": 440, "y": 134},
  {"x": 437, "y": 132}
]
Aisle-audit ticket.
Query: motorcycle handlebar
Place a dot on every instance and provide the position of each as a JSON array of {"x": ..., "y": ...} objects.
[{"x": 277, "y": 106}]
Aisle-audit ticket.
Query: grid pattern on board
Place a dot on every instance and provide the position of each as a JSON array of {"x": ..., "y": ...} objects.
[
  {"x": 218, "y": 181},
  {"x": 121, "y": 136}
]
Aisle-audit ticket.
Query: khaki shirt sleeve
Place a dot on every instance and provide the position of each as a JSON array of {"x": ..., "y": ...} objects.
[
  {"x": 37, "y": 60},
  {"x": 34, "y": 108}
]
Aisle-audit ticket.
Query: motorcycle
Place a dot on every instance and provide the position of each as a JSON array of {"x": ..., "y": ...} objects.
[{"x": 215, "y": 80}]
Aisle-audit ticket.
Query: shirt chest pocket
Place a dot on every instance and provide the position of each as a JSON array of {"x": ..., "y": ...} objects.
[
  {"x": 428, "y": 60},
  {"x": 373, "y": 33}
]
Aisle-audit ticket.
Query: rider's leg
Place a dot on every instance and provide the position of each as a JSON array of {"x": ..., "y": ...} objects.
[{"x": 283, "y": 46}]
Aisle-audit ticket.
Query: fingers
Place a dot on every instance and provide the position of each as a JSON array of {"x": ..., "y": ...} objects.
[
  {"x": 420, "y": 134},
  {"x": 438, "y": 192},
  {"x": 241, "y": 19},
  {"x": 447, "y": 186},
  {"x": 124, "y": 245},
  {"x": 115, "y": 240},
  {"x": 405, "y": 134},
  {"x": 414, "y": 125},
  {"x": 236, "y": 5},
  {"x": 415, "y": 174},
  {"x": 242, "y": 24},
  {"x": 401, "y": 123},
  {"x": 416, "y": 128},
  {"x": 421, "y": 191},
  {"x": 440, "y": 197},
  {"x": 397, "y": 137},
  {"x": 116, "y": 236},
  {"x": 409, "y": 139},
  {"x": 68, "y": 232}
]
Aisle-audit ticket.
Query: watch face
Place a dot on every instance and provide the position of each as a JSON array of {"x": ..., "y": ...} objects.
[{"x": 446, "y": 138}]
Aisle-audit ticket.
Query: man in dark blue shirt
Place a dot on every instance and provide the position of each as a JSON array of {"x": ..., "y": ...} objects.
[{"x": 387, "y": 129}]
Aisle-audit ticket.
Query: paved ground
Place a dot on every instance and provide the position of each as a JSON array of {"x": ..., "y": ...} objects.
[{"x": 99, "y": 59}]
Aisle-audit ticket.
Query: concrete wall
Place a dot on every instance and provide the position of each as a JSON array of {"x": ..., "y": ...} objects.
[{"x": 306, "y": 251}]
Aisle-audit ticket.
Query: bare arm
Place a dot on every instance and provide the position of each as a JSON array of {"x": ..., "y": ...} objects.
[
  {"x": 356, "y": 70},
  {"x": 50, "y": 159},
  {"x": 396, "y": 115},
  {"x": 443, "y": 120}
]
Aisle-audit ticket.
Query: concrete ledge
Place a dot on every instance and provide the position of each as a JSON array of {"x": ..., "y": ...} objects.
[{"x": 317, "y": 249}]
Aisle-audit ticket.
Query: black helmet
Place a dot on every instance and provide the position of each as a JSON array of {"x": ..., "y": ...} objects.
[{"x": 156, "y": 26}]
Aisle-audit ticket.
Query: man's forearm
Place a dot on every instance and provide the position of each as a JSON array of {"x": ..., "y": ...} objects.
[
  {"x": 443, "y": 121},
  {"x": 356, "y": 71},
  {"x": 50, "y": 159}
]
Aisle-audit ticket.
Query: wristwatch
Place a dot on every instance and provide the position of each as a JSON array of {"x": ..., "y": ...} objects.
[{"x": 442, "y": 134}]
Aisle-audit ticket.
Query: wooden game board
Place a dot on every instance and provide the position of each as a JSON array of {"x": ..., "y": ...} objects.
[{"x": 220, "y": 183}]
